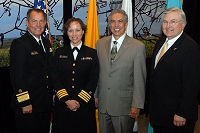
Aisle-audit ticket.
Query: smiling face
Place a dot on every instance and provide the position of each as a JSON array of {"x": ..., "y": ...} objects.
[
  {"x": 36, "y": 23},
  {"x": 118, "y": 25},
  {"x": 75, "y": 33},
  {"x": 172, "y": 26}
]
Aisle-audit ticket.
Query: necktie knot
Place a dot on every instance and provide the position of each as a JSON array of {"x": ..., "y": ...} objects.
[{"x": 115, "y": 42}]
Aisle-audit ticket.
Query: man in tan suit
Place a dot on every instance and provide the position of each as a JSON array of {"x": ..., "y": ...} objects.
[{"x": 121, "y": 88}]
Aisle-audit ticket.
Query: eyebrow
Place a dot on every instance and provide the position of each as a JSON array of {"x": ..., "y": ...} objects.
[
  {"x": 170, "y": 20},
  {"x": 117, "y": 20}
]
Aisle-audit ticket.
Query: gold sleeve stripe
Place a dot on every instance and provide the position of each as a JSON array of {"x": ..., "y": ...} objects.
[
  {"x": 85, "y": 96},
  {"x": 61, "y": 93},
  {"x": 26, "y": 92},
  {"x": 21, "y": 97}
]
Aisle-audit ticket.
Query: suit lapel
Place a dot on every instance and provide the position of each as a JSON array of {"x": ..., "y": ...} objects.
[
  {"x": 69, "y": 52},
  {"x": 46, "y": 47},
  {"x": 123, "y": 47},
  {"x": 33, "y": 45},
  {"x": 170, "y": 51},
  {"x": 81, "y": 53},
  {"x": 156, "y": 50},
  {"x": 107, "y": 47}
]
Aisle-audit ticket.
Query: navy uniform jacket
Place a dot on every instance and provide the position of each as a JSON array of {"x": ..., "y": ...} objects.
[
  {"x": 175, "y": 82},
  {"x": 75, "y": 80},
  {"x": 30, "y": 72}
]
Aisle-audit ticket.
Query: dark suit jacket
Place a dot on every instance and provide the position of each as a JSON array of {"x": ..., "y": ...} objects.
[
  {"x": 175, "y": 82},
  {"x": 75, "y": 80},
  {"x": 30, "y": 72}
]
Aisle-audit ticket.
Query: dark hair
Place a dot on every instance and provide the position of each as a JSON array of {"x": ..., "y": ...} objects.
[
  {"x": 35, "y": 10},
  {"x": 73, "y": 19}
]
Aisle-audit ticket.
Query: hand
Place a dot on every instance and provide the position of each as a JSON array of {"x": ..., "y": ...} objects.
[
  {"x": 179, "y": 121},
  {"x": 73, "y": 105},
  {"x": 96, "y": 102},
  {"x": 134, "y": 112},
  {"x": 27, "y": 109}
]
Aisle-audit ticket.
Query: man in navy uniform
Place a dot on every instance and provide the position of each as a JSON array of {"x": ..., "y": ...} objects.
[{"x": 30, "y": 72}]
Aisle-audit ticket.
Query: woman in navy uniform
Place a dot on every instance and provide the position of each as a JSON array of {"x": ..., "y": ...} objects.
[{"x": 75, "y": 74}]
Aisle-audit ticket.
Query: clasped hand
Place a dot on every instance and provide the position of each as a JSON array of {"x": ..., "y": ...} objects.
[
  {"x": 179, "y": 121},
  {"x": 27, "y": 109},
  {"x": 73, "y": 105}
]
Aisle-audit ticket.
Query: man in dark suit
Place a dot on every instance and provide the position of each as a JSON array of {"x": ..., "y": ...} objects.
[
  {"x": 30, "y": 72},
  {"x": 121, "y": 87},
  {"x": 175, "y": 77}
]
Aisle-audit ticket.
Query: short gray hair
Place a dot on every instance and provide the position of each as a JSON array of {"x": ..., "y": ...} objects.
[
  {"x": 180, "y": 12},
  {"x": 118, "y": 11}
]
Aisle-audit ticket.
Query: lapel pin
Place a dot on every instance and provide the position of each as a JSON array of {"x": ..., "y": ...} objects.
[{"x": 175, "y": 48}]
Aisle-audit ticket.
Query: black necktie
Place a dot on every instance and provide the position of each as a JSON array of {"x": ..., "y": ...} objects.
[
  {"x": 40, "y": 45},
  {"x": 114, "y": 50}
]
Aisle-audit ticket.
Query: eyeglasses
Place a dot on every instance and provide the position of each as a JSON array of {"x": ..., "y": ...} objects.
[{"x": 172, "y": 22}]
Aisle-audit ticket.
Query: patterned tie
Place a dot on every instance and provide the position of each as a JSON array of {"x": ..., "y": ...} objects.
[
  {"x": 114, "y": 50},
  {"x": 163, "y": 50}
]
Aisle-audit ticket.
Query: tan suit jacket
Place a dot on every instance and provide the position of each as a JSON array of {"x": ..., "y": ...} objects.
[{"x": 121, "y": 83}]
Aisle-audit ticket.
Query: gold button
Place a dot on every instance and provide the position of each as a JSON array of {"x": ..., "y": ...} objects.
[
  {"x": 73, "y": 72},
  {"x": 47, "y": 86},
  {"x": 74, "y": 64},
  {"x": 20, "y": 90},
  {"x": 72, "y": 79},
  {"x": 72, "y": 87},
  {"x": 47, "y": 77}
]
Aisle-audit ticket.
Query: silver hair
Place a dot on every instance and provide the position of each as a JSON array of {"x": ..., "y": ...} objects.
[
  {"x": 118, "y": 11},
  {"x": 180, "y": 12}
]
